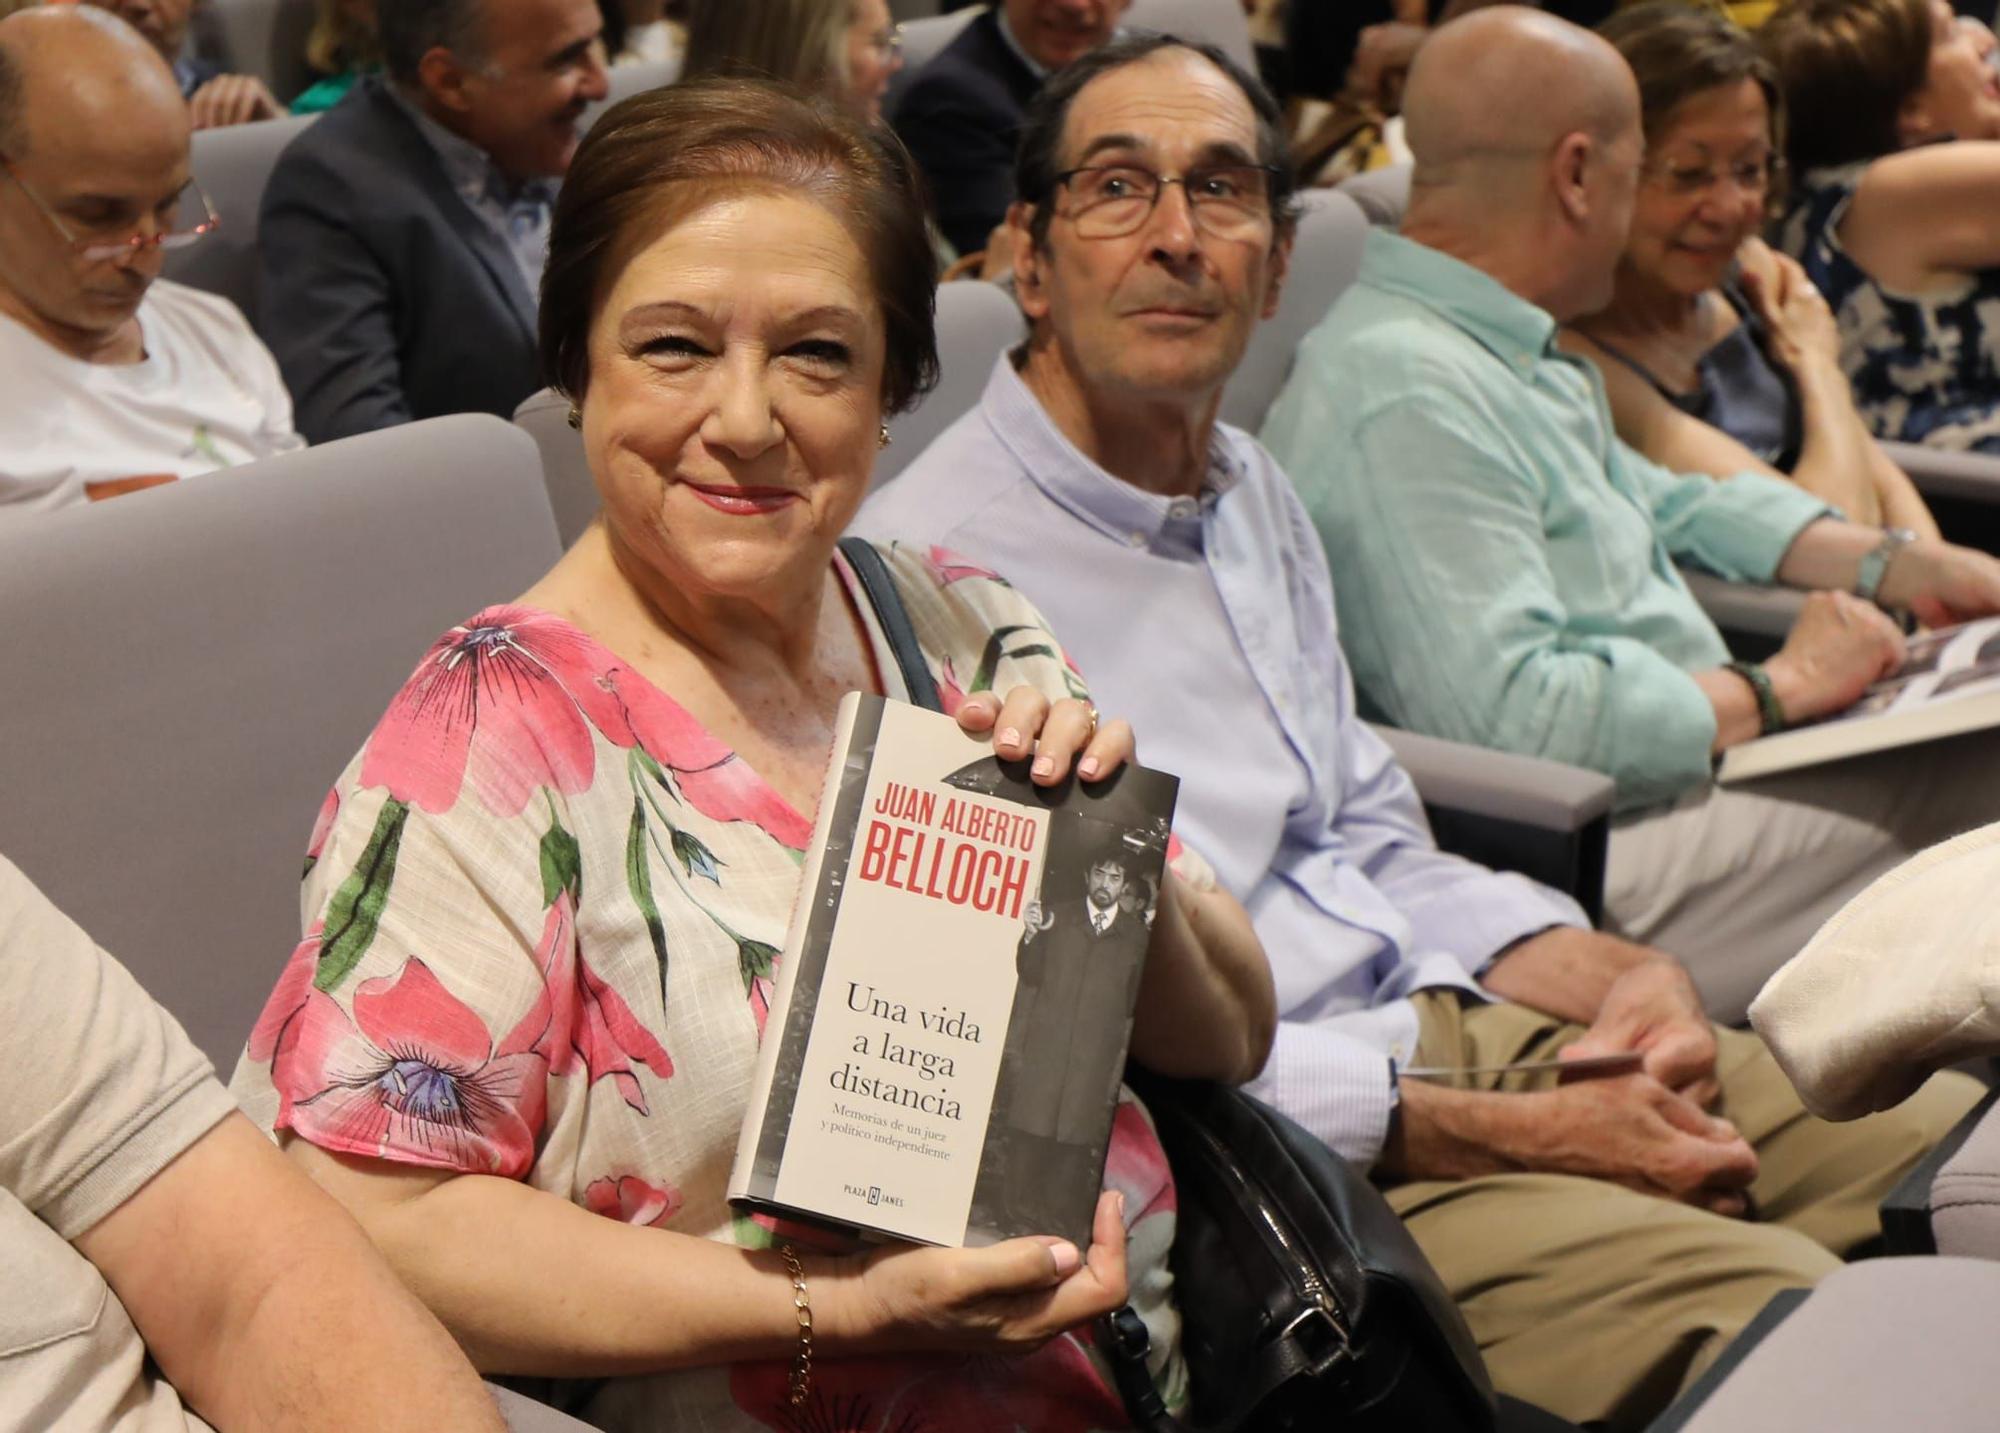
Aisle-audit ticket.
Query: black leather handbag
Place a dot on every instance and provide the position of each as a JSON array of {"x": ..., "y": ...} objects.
[{"x": 1305, "y": 1303}]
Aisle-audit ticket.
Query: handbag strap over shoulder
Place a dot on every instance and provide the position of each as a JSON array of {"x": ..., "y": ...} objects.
[{"x": 873, "y": 574}]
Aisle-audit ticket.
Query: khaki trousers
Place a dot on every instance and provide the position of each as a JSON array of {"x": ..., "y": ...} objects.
[
  {"x": 1601, "y": 1303},
  {"x": 1734, "y": 880}
]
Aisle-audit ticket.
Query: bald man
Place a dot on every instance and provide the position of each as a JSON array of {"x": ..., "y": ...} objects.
[
  {"x": 1505, "y": 567},
  {"x": 114, "y": 378}
]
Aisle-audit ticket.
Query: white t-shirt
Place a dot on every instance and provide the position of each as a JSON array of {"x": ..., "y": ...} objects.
[{"x": 207, "y": 395}]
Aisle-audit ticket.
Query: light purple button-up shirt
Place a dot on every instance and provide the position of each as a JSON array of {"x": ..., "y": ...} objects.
[{"x": 1208, "y": 623}]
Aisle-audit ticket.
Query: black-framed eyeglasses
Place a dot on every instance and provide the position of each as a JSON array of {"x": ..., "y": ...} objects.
[
  {"x": 1109, "y": 201},
  {"x": 195, "y": 219}
]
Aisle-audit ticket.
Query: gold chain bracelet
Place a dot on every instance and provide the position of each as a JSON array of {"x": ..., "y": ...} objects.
[{"x": 802, "y": 1363}]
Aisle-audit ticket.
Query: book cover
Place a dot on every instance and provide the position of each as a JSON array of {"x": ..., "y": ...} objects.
[
  {"x": 1949, "y": 683},
  {"x": 948, "y": 1033}
]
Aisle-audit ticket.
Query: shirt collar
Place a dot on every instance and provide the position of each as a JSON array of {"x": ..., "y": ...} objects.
[
  {"x": 1127, "y": 514},
  {"x": 1518, "y": 333},
  {"x": 1037, "y": 69},
  {"x": 471, "y": 170}
]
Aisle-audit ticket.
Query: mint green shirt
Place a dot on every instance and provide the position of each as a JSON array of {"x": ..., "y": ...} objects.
[{"x": 1503, "y": 565}]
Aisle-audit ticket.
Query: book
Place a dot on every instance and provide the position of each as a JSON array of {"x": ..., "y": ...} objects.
[
  {"x": 944, "y": 1047},
  {"x": 1949, "y": 683}
]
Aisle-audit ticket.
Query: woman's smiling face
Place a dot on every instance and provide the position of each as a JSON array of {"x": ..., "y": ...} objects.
[{"x": 1706, "y": 184}]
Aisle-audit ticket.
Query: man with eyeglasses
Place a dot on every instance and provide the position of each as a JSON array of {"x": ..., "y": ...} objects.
[
  {"x": 402, "y": 236},
  {"x": 1592, "y": 1230},
  {"x": 114, "y": 379},
  {"x": 1506, "y": 567}
]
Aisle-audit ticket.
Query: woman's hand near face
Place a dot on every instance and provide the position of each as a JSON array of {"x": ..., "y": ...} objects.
[
  {"x": 1058, "y": 735},
  {"x": 1008, "y": 1298},
  {"x": 1803, "y": 330}
]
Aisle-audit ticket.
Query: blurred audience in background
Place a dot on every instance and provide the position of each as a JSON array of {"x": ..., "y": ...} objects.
[
  {"x": 1477, "y": 510},
  {"x": 341, "y": 48},
  {"x": 214, "y": 98},
  {"x": 1892, "y": 202},
  {"x": 846, "y": 50},
  {"x": 403, "y": 234},
  {"x": 114, "y": 378},
  {"x": 1718, "y": 355},
  {"x": 648, "y": 32},
  {"x": 961, "y": 114}
]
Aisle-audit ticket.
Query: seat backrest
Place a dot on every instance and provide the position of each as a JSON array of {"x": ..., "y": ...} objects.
[
  {"x": 233, "y": 166},
  {"x": 190, "y": 667},
  {"x": 1221, "y": 23},
  {"x": 1325, "y": 257},
  {"x": 1383, "y": 194},
  {"x": 544, "y": 416},
  {"x": 265, "y": 38},
  {"x": 624, "y": 81},
  {"x": 922, "y": 40},
  {"x": 976, "y": 323}
]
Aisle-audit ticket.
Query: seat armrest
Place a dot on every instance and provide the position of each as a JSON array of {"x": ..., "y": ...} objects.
[
  {"x": 1949, "y": 1202},
  {"x": 1881, "y": 1344},
  {"x": 1750, "y": 609},
  {"x": 1939, "y": 473},
  {"x": 1541, "y": 818},
  {"x": 1483, "y": 782}
]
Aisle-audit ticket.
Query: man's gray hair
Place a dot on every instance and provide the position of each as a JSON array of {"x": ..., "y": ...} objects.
[{"x": 411, "y": 29}]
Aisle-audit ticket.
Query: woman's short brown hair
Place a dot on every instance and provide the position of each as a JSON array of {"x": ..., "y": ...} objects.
[
  {"x": 1847, "y": 67},
  {"x": 721, "y": 133},
  {"x": 1678, "y": 51}
]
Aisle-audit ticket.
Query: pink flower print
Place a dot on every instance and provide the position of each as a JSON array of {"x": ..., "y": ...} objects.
[
  {"x": 631, "y": 1200},
  {"x": 496, "y": 700},
  {"x": 413, "y": 1076},
  {"x": 274, "y": 1035},
  {"x": 947, "y": 567},
  {"x": 1052, "y": 1390},
  {"x": 322, "y": 828},
  {"x": 1136, "y": 1165},
  {"x": 604, "y": 1037},
  {"x": 710, "y": 777},
  {"x": 951, "y": 696}
]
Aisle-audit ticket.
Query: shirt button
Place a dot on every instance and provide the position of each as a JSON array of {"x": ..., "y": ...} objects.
[
  {"x": 1182, "y": 508},
  {"x": 1137, "y": 539}
]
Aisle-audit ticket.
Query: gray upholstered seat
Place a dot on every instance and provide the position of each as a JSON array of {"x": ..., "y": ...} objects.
[
  {"x": 1220, "y": 23},
  {"x": 265, "y": 38},
  {"x": 233, "y": 165},
  {"x": 1325, "y": 257},
  {"x": 1880, "y": 1345},
  {"x": 190, "y": 667},
  {"x": 976, "y": 323},
  {"x": 1383, "y": 194}
]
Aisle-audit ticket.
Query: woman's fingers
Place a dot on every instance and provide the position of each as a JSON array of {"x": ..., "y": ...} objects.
[{"x": 1058, "y": 736}]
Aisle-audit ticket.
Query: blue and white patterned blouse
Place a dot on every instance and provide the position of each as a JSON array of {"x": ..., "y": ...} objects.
[{"x": 1925, "y": 367}]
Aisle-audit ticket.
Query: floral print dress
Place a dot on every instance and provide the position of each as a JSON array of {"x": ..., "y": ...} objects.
[
  {"x": 1925, "y": 368},
  {"x": 543, "y": 911}
]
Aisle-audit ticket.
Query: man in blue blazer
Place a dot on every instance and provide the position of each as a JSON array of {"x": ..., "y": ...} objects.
[
  {"x": 403, "y": 234},
  {"x": 961, "y": 116}
]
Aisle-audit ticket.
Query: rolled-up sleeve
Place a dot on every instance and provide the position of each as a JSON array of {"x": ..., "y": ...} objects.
[
  {"x": 1456, "y": 626},
  {"x": 1738, "y": 528}
]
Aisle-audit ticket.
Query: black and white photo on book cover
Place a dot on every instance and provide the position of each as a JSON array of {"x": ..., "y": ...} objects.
[{"x": 956, "y": 995}]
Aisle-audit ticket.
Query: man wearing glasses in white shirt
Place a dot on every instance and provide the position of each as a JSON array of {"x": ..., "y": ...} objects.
[{"x": 115, "y": 379}]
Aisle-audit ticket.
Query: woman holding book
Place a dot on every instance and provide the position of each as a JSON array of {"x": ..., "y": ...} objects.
[
  {"x": 544, "y": 900},
  {"x": 1718, "y": 356}
]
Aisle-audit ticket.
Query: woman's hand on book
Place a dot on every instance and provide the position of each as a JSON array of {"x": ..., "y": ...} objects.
[
  {"x": 1941, "y": 583},
  {"x": 1008, "y": 1298},
  {"x": 1058, "y": 735}
]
